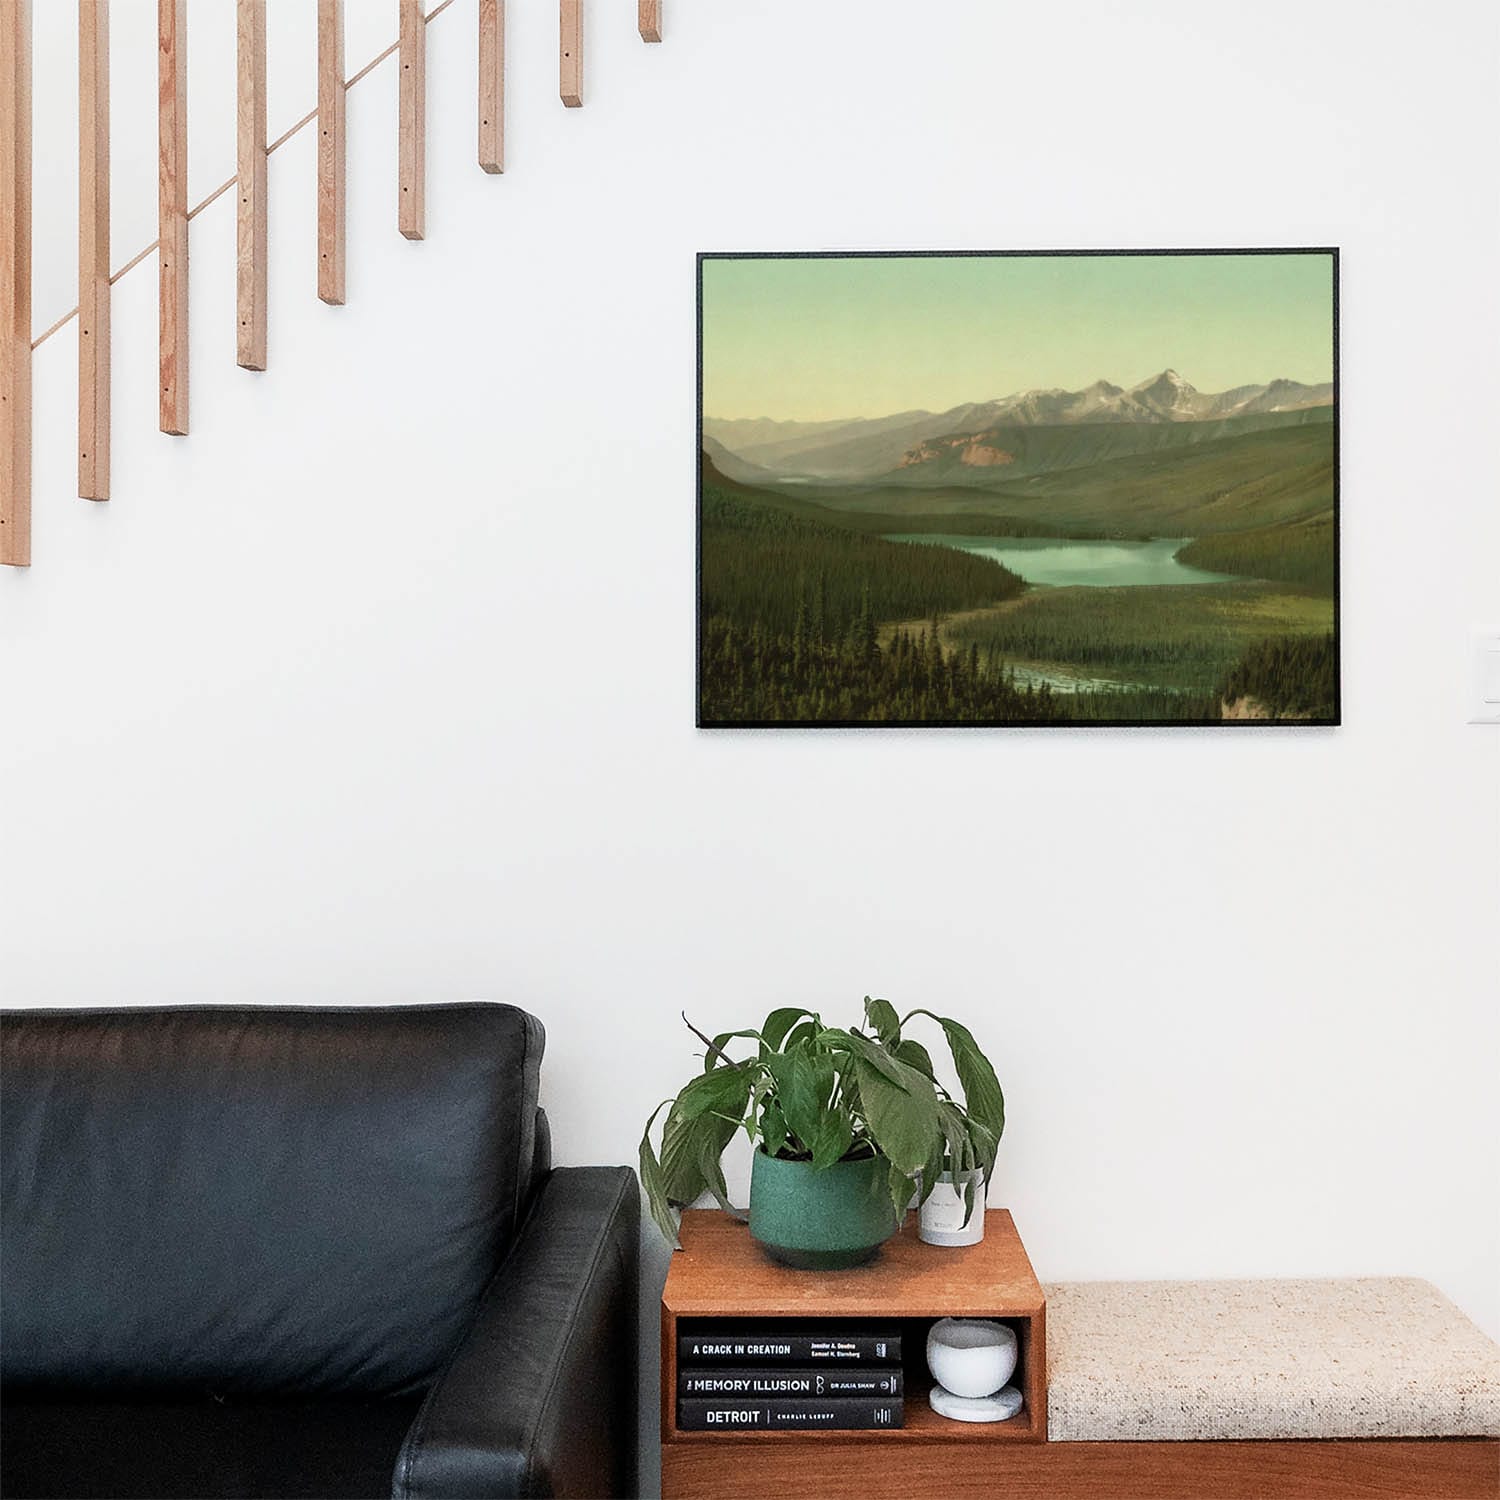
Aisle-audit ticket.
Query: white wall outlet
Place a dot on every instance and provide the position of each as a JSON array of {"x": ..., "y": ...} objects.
[{"x": 1484, "y": 702}]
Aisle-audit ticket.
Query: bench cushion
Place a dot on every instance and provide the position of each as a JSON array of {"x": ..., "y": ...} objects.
[{"x": 1167, "y": 1360}]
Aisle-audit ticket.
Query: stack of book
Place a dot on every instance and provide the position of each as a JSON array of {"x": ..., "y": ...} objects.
[{"x": 788, "y": 1380}]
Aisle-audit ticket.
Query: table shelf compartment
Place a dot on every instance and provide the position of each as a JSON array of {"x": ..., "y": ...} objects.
[{"x": 722, "y": 1280}]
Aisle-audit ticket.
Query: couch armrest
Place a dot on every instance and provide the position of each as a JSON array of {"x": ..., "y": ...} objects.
[{"x": 540, "y": 1398}]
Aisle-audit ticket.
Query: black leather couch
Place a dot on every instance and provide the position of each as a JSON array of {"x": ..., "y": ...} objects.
[{"x": 265, "y": 1251}]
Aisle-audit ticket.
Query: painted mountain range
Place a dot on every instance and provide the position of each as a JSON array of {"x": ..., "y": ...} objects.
[{"x": 978, "y": 441}]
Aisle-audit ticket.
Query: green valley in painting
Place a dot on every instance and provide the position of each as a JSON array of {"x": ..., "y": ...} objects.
[{"x": 1018, "y": 489}]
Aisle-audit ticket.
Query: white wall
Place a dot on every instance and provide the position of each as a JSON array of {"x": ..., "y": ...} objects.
[{"x": 380, "y": 685}]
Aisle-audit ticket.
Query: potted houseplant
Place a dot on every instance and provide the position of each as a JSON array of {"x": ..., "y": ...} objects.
[{"x": 847, "y": 1123}]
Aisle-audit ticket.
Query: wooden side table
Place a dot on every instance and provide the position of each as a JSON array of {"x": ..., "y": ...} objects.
[{"x": 721, "y": 1273}]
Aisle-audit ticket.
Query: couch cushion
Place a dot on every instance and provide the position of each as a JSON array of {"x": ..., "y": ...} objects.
[
  {"x": 256, "y": 1200},
  {"x": 323, "y": 1450},
  {"x": 1162, "y": 1360}
]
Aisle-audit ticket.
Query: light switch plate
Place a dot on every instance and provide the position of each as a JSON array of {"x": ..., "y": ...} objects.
[{"x": 1484, "y": 693}]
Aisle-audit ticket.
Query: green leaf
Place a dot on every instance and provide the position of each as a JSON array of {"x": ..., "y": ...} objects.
[
  {"x": 800, "y": 1090},
  {"x": 834, "y": 1136},
  {"x": 882, "y": 1018},
  {"x": 900, "y": 1186},
  {"x": 682, "y": 1178},
  {"x": 709, "y": 1151},
  {"x": 773, "y": 1129},
  {"x": 902, "y": 1118},
  {"x": 653, "y": 1180},
  {"x": 778, "y": 1023},
  {"x": 932, "y": 1168},
  {"x": 722, "y": 1090},
  {"x": 956, "y": 1144},
  {"x": 982, "y": 1093},
  {"x": 985, "y": 1146},
  {"x": 690, "y": 1157},
  {"x": 964, "y": 1137},
  {"x": 873, "y": 1055},
  {"x": 803, "y": 1031},
  {"x": 708, "y": 1110},
  {"x": 914, "y": 1055},
  {"x": 762, "y": 1086},
  {"x": 716, "y": 1056},
  {"x": 852, "y": 1105}
]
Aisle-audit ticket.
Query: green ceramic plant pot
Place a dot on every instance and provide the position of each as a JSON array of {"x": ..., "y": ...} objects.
[{"x": 821, "y": 1221}]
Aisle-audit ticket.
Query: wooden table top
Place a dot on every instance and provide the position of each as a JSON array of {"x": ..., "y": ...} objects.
[{"x": 721, "y": 1272}]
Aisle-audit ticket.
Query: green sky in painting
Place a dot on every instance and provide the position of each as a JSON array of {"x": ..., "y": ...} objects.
[{"x": 818, "y": 339}]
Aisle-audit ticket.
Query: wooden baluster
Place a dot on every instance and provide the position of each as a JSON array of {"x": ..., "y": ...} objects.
[
  {"x": 492, "y": 85},
  {"x": 648, "y": 20},
  {"x": 93, "y": 249},
  {"x": 15, "y": 282},
  {"x": 251, "y": 221},
  {"x": 172, "y": 212},
  {"x": 331, "y": 151},
  {"x": 570, "y": 52},
  {"x": 412, "y": 107}
]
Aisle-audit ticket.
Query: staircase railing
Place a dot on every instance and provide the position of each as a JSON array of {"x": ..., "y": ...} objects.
[{"x": 174, "y": 214}]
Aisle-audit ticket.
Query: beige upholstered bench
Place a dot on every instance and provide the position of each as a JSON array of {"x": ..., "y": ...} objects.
[{"x": 1378, "y": 1387}]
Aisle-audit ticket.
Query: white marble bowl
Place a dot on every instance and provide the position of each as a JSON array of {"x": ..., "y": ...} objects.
[{"x": 971, "y": 1356}]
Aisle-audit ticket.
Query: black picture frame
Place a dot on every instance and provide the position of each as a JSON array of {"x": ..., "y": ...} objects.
[{"x": 1332, "y": 720}]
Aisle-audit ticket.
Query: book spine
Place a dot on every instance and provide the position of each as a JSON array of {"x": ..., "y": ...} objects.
[
  {"x": 845, "y": 1413},
  {"x": 796, "y": 1349},
  {"x": 835, "y": 1380}
]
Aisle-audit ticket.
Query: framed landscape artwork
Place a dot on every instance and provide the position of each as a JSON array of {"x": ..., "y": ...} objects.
[{"x": 1028, "y": 488}]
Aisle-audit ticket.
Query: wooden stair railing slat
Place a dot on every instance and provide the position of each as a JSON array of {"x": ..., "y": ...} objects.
[
  {"x": 648, "y": 20},
  {"x": 570, "y": 52},
  {"x": 93, "y": 250},
  {"x": 331, "y": 115},
  {"x": 15, "y": 282},
  {"x": 412, "y": 108},
  {"x": 172, "y": 213},
  {"x": 492, "y": 85},
  {"x": 250, "y": 153}
]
